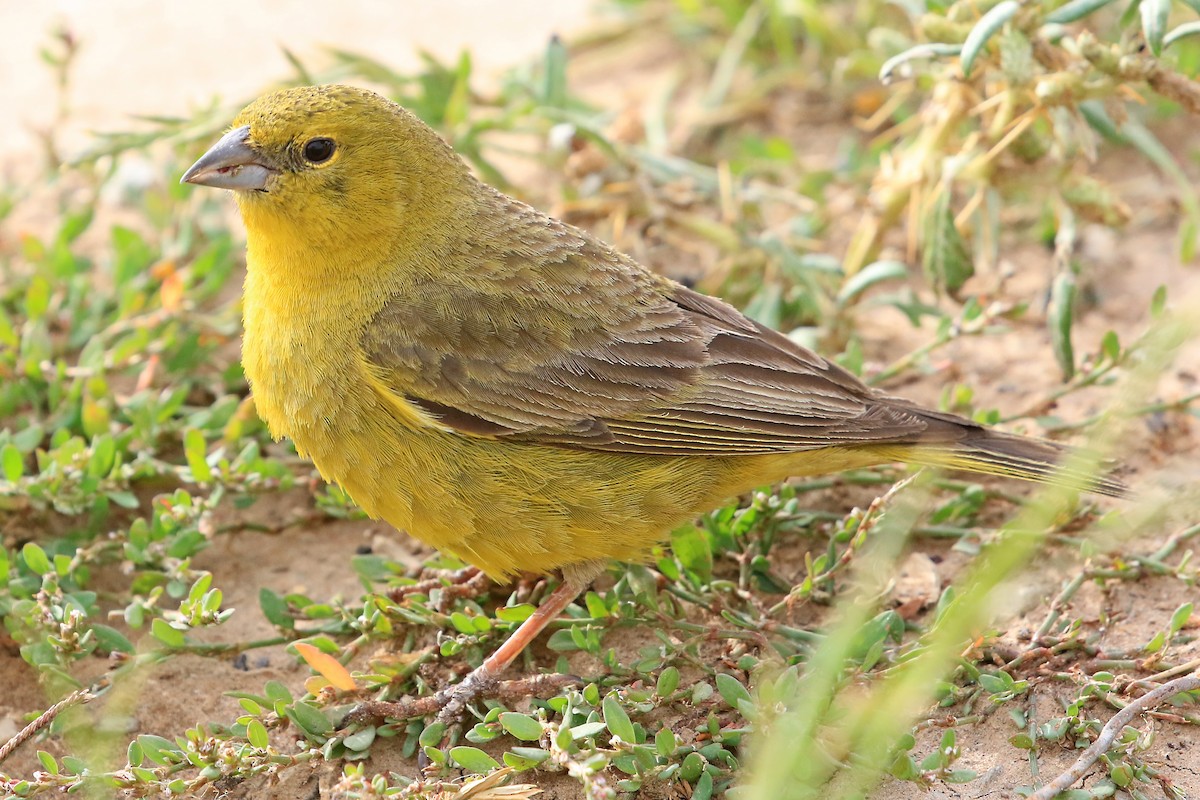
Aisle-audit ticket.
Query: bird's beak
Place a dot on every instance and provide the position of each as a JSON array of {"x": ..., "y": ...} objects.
[{"x": 231, "y": 163}]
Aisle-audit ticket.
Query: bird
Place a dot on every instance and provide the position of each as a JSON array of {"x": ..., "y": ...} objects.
[{"x": 510, "y": 389}]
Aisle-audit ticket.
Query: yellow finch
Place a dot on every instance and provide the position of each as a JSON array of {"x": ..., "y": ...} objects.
[{"x": 504, "y": 386}]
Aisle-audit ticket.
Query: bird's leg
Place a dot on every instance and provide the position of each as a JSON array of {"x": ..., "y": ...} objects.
[{"x": 454, "y": 699}]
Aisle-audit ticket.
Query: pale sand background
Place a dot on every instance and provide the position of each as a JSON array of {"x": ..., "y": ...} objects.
[{"x": 146, "y": 57}]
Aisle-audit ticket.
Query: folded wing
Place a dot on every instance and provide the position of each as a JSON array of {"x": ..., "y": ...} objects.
[{"x": 587, "y": 350}]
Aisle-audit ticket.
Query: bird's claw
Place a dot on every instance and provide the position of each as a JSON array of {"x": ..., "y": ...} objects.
[{"x": 454, "y": 700}]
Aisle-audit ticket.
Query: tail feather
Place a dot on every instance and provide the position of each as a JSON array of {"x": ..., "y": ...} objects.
[{"x": 994, "y": 453}]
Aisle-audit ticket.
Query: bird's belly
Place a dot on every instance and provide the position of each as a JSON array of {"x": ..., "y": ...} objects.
[{"x": 509, "y": 508}]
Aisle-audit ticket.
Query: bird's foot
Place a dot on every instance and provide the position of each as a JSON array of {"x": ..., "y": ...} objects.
[
  {"x": 451, "y": 703},
  {"x": 485, "y": 683},
  {"x": 453, "y": 700}
]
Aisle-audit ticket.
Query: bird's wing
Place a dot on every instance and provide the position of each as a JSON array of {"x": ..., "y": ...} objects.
[{"x": 587, "y": 350}]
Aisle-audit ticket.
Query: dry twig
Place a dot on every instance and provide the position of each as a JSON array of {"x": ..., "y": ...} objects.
[
  {"x": 1110, "y": 731},
  {"x": 46, "y": 717}
]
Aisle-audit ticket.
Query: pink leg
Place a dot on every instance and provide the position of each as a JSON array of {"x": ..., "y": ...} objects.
[{"x": 484, "y": 677}]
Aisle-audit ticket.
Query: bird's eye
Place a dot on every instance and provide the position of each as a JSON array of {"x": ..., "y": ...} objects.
[{"x": 318, "y": 151}]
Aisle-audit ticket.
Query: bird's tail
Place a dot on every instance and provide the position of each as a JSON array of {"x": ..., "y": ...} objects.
[{"x": 994, "y": 453}]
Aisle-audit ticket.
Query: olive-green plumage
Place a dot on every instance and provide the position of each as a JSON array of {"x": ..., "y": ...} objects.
[{"x": 504, "y": 386}]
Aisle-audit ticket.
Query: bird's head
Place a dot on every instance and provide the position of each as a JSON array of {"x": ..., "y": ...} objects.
[{"x": 318, "y": 160}]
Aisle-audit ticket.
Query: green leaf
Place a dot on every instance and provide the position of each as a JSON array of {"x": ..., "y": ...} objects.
[
  {"x": 123, "y": 499},
  {"x": 1022, "y": 741},
  {"x": 1155, "y": 14},
  {"x": 483, "y": 732},
  {"x": 1110, "y": 346},
  {"x": 256, "y": 734},
  {"x": 1076, "y": 9},
  {"x": 554, "y": 89},
  {"x": 1181, "y": 32},
  {"x": 868, "y": 276},
  {"x": 993, "y": 684},
  {"x": 75, "y": 224},
  {"x": 960, "y": 776},
  {"x": 158, "y": 749},
  {"x": 171, "y": 637},
  {"x": 944, "y": 255},
  {"x": 302, "y": 74},
  {"x": 597, "y": 609},
  {"x": 911, "y": 54},
  {"x": 665, "y": 741},
  {"x": 35, "y": 558},
  {"x": 731, "y": 690},
  {"x": 310, "y": 719},
  {"x": 194, "y": 448},
  {"x": 277, "y": 692},
  {"x": 37, "y": 298},
  {"x": 617, "y": 720},
  {"x": 766, "y": 306},
  {"x": 28, "y": 439},
  {"x": 1158, "y": 302},
  {"x": 904, "y": 768},
  {"x": 275, "y": 609},
  {"x": 522, "y": 726},
  {"x": 110, "y": 640},
  {"x": 693, "y": 549},
  {"x": 516, "y": 613},
  {"x": 432, "y": 734},
  {"x": 461, "y": 622},
  {"x": 562, "y": 641},
  {"x": 1180, "y": 617},
  {"x": 522, "y": 758},
  {"x": 585, "y": 730},
  {"x": 12, "y": 463},
  {"x": 987, "y": 27},
  {"x": 148, "y": 777},
  {"x": 47, "y": 761},
  {"x": 473, "y": 759},
  {"x": 359, "y": 741},
  {"x": 668, "y": 682},
  {"x": 104, "y": 451},
  {"x": 1062, "y": 315}
]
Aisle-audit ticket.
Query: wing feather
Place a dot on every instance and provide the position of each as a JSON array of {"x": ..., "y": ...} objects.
[{"x": 589, "y": 350}]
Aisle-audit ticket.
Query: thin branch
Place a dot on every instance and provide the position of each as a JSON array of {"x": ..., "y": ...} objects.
[
  {"x": 376, "y": 711},
  {"x": 76, "y": 697},
  {"x": 1110, "y": 731},
  {"x": 1190, "y": 666}
]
